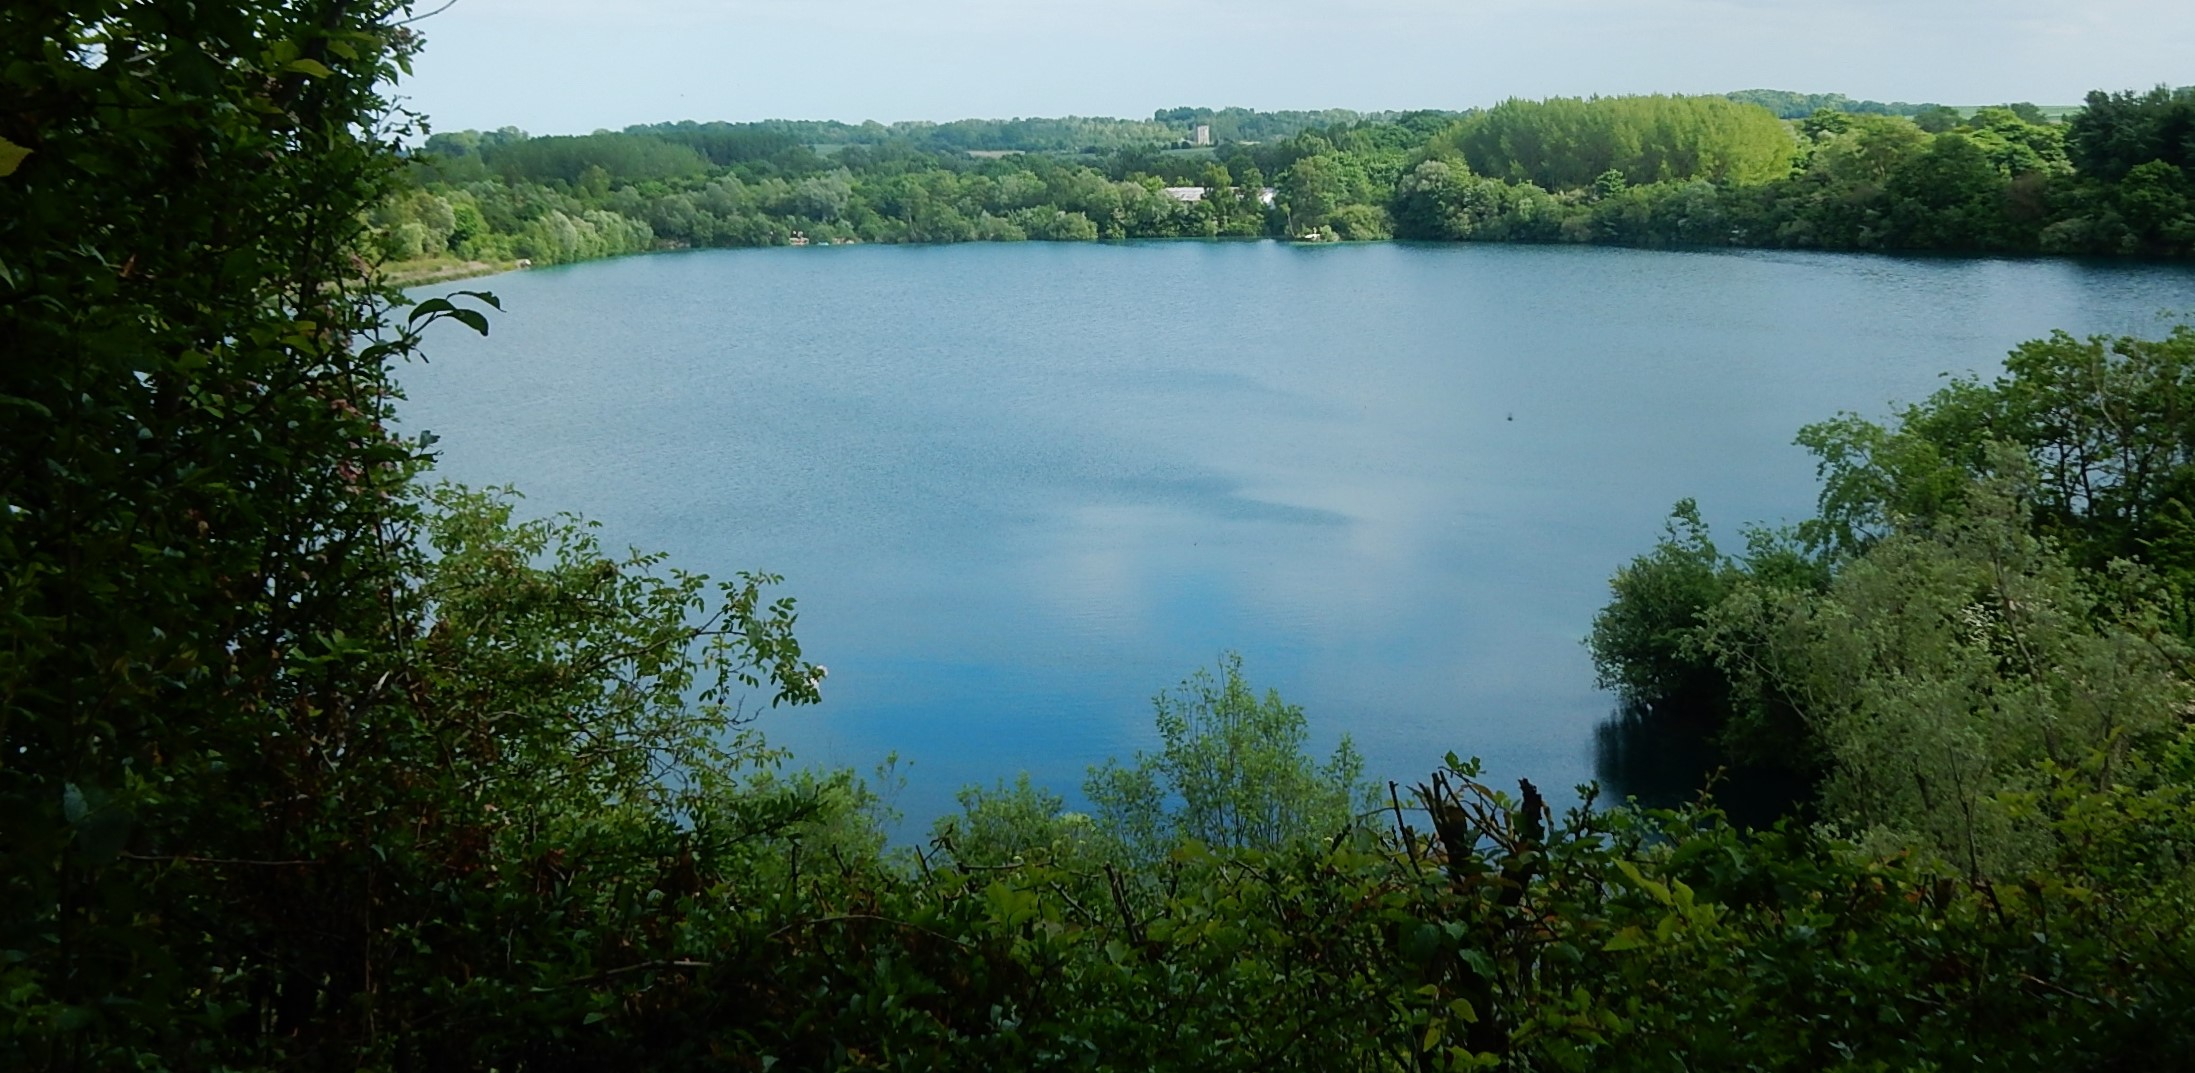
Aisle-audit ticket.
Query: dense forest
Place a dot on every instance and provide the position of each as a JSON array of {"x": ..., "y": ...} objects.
[
  {"x": 2117, "y": 176},
  {"x": 310, "y": 762},
  {"x": 1789, "y": 105},
  {"x": 1998, "y": 590}
]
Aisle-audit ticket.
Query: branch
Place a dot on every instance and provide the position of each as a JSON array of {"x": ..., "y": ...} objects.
[
  {"x": 428, "y": 15},
  {"x": 845, "y": 917},
  {"x": 1120, "y": 901},
  {"x": 641, "y": 967},
  {"x": 178, "y": 858}
]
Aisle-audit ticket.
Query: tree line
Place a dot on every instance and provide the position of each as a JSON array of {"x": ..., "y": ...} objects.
[
  {"x": 1790, "y": 105},
  {"x": 310, "y": 762},
  {"x": 2113, "y": 178}
]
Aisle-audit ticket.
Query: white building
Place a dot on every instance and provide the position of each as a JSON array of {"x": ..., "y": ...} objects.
[{"x": 1194, "y": 194}]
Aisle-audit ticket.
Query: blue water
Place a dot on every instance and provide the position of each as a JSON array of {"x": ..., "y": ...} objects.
[{"x": 1018, "y": 489}]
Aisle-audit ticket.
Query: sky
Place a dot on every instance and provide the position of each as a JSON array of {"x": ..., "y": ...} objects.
[{"x": 573, "y": 66}]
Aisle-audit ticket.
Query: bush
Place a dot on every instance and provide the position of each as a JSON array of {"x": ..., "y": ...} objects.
[
  {"x": 1644, "y": 643},
  {"x": 1231, "y": 773}
]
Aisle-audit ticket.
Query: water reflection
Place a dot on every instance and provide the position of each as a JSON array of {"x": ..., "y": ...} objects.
[{"x": 1664, "y": 761}]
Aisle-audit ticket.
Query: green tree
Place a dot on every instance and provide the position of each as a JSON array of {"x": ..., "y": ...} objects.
[
  {"x": 1937, "y": 119},
  {"x": 2104, "y": 423},
  {"x": 1230, "y": 773},
  {"x": 1426, "y": 198},
  {"x": 1310, "y": 191},
  {"x": 1864, "y": 150},
  {"x": 281, "y": 736},
  {"x": 193, "y": 460},
  {"x": 1566, "y": 143},
  {"x": 1359, "y": 223},
  {"x": 1995, "y": 592},
  {"x": 1950, "y": 670},
  {"x": 2018, "y": 145},
  {"x": 2157, "y": 202},
  {"x": 1644, "y": 642},
  {"x": 2118, "y": 132},
  {"x": 1948, "y": 196},
  {"x": 1015, "y": 821}
]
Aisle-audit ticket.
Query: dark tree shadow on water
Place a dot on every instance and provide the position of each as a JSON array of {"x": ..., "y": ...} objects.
[{"x": 1664, "y": 760}]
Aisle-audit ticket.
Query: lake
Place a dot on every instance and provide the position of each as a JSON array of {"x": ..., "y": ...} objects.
[{"x": 1018, "y": 489}]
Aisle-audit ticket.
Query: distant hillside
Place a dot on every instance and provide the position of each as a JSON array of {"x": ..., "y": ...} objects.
[
  {"x": 722, "y": 143},
  {"x": 1791, "y": 105}
]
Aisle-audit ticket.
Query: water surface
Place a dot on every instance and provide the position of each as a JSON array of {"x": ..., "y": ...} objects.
[{"x": 1017, "y": 489}]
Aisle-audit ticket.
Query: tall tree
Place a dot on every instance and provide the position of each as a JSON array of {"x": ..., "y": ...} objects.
[
  {"x": 1566, "y": 143},
  {"x": 194, "y": 466},
  {"x": 260, "y": 749}
]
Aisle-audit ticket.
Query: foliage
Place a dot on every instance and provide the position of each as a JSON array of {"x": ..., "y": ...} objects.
[
  {"x": 1246, "y": 125},
  {"x": 1995, "y": 591},
  {"x": 304, "y": 764},
  {"x": 2104, "y": 424},
  {"x": 1231, "y": 773},
  {"x": 1950, "y": 670},
  {"x": 1643, "y": 642},
  {"x": 1013, "y": 822},
  {"x": 634, "y": 158},
  {"x": 2118, "y": 132},
  {"x": 1789, "y": 105},
  {"x": 1564, "y": 143},
  {"x": 284, "y": 736},
  {"x": 193, "y": 464},
  {"x": 1503, "y": 938}
]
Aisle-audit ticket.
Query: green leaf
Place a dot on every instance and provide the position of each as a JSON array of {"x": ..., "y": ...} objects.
[
  {"x": 591, "y": 1018},
  {"x": 434, "y": 309},
  {"x": 1478, "y": 961},
  {"x": 1421, "y": 943},
  {"x": 1631, "y": 871},
  {"x": 430, "y": 307},
  {"x": 1628, "y": 939},
  {"x": 314, "y": 68},
  {"x": 11, "y": 157},
  {"x": 102, "y": 827}
]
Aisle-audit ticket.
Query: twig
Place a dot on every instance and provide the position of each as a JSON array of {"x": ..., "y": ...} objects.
[
  {"x": 178, "y": 858},
  {"x": 1120, "y": 901},
  {"x": 1072, "y": 903},
  {"x": 841, "y": 918},
  {"x": 428, "y": 15},
  {"x": 2060, "y": 988},
  {"x": 668, "y": 963},
  {"x": 1409, "y": 837}
]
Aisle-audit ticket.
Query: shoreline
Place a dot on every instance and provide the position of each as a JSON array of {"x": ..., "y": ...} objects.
[
  {"x": 424, "y": 273},
  {"x": 408, "y": 274}
]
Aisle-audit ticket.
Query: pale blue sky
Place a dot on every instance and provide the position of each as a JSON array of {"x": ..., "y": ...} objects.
[{"x": 570, "y": 66}]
